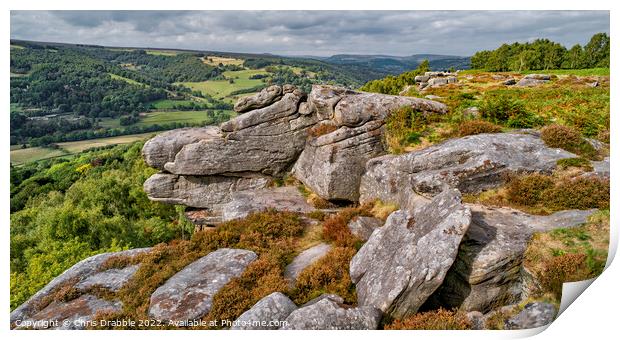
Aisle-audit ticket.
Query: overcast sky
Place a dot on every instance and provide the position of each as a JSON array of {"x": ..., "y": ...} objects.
[{"x": 310, "y": 32}]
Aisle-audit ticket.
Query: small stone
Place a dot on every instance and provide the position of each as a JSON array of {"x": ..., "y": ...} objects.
[
  {"x": 534, "y": 315},
  {"x": 268, "y": 313},
  {"x": 327, "y": 314}
]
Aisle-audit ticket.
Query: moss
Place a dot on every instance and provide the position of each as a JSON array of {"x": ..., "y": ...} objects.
[
  {"x": 382, "y": 210},
  {"x": 441, "y": 319},
  {"x": 475, "y": 127},
  {"x": 559, "y": 136},
  {"x": 330, "y": 274},
  {"x": 576, "y": 162},
  {"x": 316, "y": 215}
]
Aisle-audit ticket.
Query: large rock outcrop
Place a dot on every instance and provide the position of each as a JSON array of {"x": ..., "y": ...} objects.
[
  {"x": 188, "y": 294},
  {"x": 406, "y": 260},
  {"x": 488, "y": 272},
  {"x": 470, "y": 164},
  {"x": 266, "y": 140},
  {"x": 81, "y": 276},
  {"x": 279, "y": 128}
]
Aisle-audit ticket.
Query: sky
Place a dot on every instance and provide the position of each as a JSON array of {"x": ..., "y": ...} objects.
[{"x": 318, "y": 33}]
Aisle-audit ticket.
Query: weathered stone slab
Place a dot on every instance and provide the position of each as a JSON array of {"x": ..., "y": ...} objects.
[
  {"x": 488, "y": 271},
  {"x": 470, "y": 164},
  {"x": 75, "y": 314},
  {"x": 162, "y": 148},
  {"x": 265, "y": 97},
  {"x": 534, "y": 315},
  {"x": 200, "y": 191},
  {"x": 404, "y": 261},
  {"x": 189, "y": 293},
  {"x": 363, "y": 226},
  {"x": 305, "y": 259},
  {"x": 78, "y": 272}
]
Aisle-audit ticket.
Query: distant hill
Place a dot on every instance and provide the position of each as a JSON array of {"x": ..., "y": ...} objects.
[{"x": 395, "y": 64}]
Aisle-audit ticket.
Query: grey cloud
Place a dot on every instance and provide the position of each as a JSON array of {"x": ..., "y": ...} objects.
[{"x": 310, "y": 32}]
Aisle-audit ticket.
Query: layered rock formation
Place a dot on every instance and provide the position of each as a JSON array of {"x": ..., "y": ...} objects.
[
  {"x": 332, "y": 164},
  {"x": 204, "y": 167}
]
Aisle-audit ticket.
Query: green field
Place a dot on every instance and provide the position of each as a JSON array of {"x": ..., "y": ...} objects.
[
  {"x": 127, "y": 80},
  {"x": 163, "y": 117},
  {"x": 215, "y": 60},
  {"x": 222, "y": 89},
  {"x": 21, "y": 156},
  {"x": 167, "y": 53},
  {"x": 168, "y": 104}
]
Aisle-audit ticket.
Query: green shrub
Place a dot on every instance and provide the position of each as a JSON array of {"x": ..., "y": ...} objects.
[
  {"x": 475, "y": 127},
  {"x": 575, "y": 162},
  {"x": 503, "y": 109}
]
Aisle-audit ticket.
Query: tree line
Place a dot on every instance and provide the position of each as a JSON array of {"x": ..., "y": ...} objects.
[{"x": 544, "y": 54}]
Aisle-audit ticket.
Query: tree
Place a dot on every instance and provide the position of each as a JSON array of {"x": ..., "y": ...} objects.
[
  {"x": 596, "y": 52},
  {"x": 574, "y": 57}
]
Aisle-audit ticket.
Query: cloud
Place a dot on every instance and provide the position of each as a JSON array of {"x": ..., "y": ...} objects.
[{"x": 310, "y": 32}]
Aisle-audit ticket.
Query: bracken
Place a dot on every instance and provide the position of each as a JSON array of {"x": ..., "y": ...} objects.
[{"x": 436, "y": 320}]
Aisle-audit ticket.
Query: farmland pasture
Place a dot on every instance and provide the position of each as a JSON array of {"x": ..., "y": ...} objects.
[
  {"x": 21, "y": 156},
  {"x": 216, "y": 60},
  {"x": 222, "y": 89}
]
